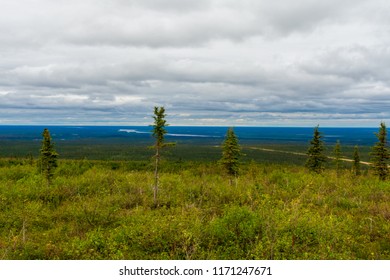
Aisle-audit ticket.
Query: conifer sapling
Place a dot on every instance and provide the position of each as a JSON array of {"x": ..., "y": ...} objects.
[
  {"x": 48, "y": 157},
  {"x": 316, "y": 158},
  {"x": 380, "y": 154},
  {"x": 159, "y": 132},
  {"x": 231, "y": 152}
]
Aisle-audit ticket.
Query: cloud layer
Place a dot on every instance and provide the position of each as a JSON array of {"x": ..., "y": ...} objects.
[{"x": 209, "y": 62}]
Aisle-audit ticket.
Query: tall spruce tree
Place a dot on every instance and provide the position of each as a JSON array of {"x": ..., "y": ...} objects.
[
  {"x": 316, "y": 158},
  {"x": 356, "y": 161},
  {"x": 48, "y": 157},
  {"x": 337, "y": 157},
  {"x": 231, "y": 152},
  {"x": 380, "y": 154},
  {"x": 159, "y": 132}
]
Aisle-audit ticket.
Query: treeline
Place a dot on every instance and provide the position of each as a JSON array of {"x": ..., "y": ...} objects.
[
  {"x": 379, "y": 155},
  {"x": 232, "y": 154}
]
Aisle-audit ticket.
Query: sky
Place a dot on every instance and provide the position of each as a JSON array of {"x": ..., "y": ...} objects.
[{"x": 208, "y": 62}]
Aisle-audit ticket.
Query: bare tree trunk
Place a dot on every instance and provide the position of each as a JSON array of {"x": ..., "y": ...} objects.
[
  {"x": 24, "y": 231},
  {"x": 155, "y": 188},
  {"x": 47, "y": 176}
]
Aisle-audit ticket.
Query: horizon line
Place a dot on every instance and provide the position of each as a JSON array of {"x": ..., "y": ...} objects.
[{"x": 170, "y": 125}]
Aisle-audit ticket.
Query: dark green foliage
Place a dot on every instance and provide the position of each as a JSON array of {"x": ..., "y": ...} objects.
[
  {"x": 231, "y": 152},
  {"x": 356, "y": 162},
  {"x": 159, "y": 126},
  {"x": 48, "y": 157},
  {"x": 121, "y": 149},
  {"x": 380, "y": 154},
  {"x": 316, "y": 158}
]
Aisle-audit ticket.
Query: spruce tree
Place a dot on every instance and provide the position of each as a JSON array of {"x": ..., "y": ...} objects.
[
  {"x": 231, "y": 152},
  {"x": 337, "y": 157},
  {"x": 48, "y": 157},
  {"x": 316, "y": 158},
  {"x": 356, "y": 161},
  {"x": 159, "y": 132},
  {"x": 380, "y": 154}
]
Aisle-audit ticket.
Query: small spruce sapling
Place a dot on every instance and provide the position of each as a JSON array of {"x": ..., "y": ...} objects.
[
  {"x": 316, "y": 158},
  {"x": 159, "y": 132},
  {"x": 48, "y": 157},
  {"x": 231, "y": 152},
  {"x": 380, "y": 154}
]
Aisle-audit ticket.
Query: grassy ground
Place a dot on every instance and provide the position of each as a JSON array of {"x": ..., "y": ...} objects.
[{"x": 104, "y": 210}]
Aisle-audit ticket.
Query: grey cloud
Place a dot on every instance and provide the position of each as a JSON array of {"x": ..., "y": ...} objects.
[
  {"x": 168, "y": 5},
  {"x": 356, "y": 63},
  {"x": 217, "y": 62},
  {"x": 162, "y": 23}
]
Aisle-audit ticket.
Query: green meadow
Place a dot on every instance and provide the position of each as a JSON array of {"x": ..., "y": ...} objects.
[{"x": 100, "y": 206}]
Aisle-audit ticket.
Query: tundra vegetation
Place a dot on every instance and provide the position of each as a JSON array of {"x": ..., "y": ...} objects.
[{"x": 278, "y": 208}]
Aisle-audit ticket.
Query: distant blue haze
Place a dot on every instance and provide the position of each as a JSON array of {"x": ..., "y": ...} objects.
[{"x": 193, "y": 134}]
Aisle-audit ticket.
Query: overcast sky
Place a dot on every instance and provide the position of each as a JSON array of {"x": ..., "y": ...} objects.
[{"x": 209, "y": 62}]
